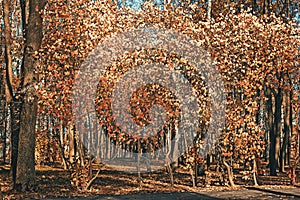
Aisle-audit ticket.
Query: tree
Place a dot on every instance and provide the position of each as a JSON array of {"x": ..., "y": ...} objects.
[
  {"x": 9, "y": 87},
  {"x": 24, "y": 98},
  {"x": 25, "y": 174}
]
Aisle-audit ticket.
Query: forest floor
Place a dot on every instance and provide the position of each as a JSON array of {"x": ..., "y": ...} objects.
[{"x": 54, "y": 183}]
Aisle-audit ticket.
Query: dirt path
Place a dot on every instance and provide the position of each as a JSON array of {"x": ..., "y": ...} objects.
[
  {"x": 113, "y": 185},
  {"x": 257, "y": 193},
  {"x": 244, "y": 193}
]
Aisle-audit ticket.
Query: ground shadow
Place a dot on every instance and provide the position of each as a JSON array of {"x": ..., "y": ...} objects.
[{"x": 151, "y": 196}]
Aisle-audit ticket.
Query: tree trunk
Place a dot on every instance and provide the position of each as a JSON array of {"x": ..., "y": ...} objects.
[
  {"x": 108, "y": 141},
  {"x": 255, "y": 174},
  {"x": 4, "y": 112},
  {"x": 229, "y": 172},
  {"x": 277, "y": 124},
  {"x": 291, "y": 128},
  {"x": 286, "y": 130},
  {"x": 254, "y": 6},
  {"x": 264, "y": 7},
  {"x": 193, "y": 177},
  {"x": 294, "y": 176},
  {"x": 79, "y": 147},
  {"x": 7, "y": 53},
  {"x": 62, "y": 145},
  {"x": 25, "y": 174},
  {"x": 14, "y": 106},
  {"x": 288, "y": 9},
  {"x": 71, "y": 142},
  {"x": 272, "y": 151},
  {"x": 168, "y": 160},
  {"x": 138, "y": 166},
  {"x": 175, "y": 147},
  {"x": 15, "y": 128},
  {"x": 209, "y": 10},
  {"x": 196, "y": 169}
]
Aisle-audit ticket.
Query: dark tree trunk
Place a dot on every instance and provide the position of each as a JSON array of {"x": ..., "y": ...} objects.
[
  {"x": 272, "y": 137},
  {"x": 286, "y": 129},
  {"x": 288, "y": 9},
  {"x": 14, "y": 103},
  {"x": 254, "y": 6},
  {"x": 15, "y": 128},
  {"x": 274, "y": 123},
  {"x": 264, "y": 7},
  {"x": 25, "y": 172},
  {"x": 4, "y": 111},
  {"x": 277, "y": 124},
  {"x": 291, "y": 128}
]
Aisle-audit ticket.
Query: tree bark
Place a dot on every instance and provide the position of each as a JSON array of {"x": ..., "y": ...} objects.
[
  {"x": 61, "y": 143},
  {"x": 14, "y": 103},
  {"x": 286, "y": 129},
  {"x": 15, "y": 128},
  {"x": 230, "y": 173},
  {"x": 25, "y": 173},
  {"x": 175, "y": 147},
  {"x": 255, "y": 174},
  {"x": 7, "y": 53},
  {"x": 209, "y": 5},
  {"x": 138, "y": 166},
  {"x": 4, "y": 111},
  {"x": 272, "y": 151},
  {"x": 277, "y": 124},
  {"x": 71, "y": 138},
  {"x": 254, "y": 6},
  {"x": 168, "y": 160}
]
